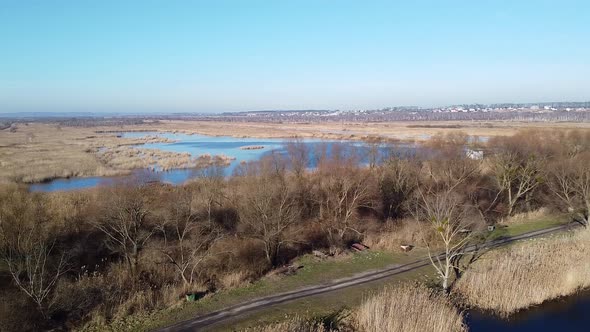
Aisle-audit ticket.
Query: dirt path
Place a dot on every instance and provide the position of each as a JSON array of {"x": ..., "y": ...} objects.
[{"x": 197, "y": 323}]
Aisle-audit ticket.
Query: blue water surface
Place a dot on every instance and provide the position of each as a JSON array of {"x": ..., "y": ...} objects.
[
  {"x": 570, "y": 314},
  {"x": 198, "y": 145}
]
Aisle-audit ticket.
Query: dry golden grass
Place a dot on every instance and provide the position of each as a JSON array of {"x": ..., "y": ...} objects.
[
  {"x": 526, "y": 216},
  {"x": 410, "y": 309},
  {"x": 505, "y": 281},
  {"x": 234, "y": 280},
  {"x": 357, "y": 130},
  {"x": 296, "y": 324},
  {"x": 129, "y": 158},
  {"x": 37, "y": 152},
  {"x": 404, "y": 232}
]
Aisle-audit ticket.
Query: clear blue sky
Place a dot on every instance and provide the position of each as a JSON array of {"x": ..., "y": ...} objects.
[{"x": 242, "y": 55}]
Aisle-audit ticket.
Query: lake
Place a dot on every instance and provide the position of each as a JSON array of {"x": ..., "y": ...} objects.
[
  {"x": 570, "y": 313},
  {"x": 198, "y": 145}
]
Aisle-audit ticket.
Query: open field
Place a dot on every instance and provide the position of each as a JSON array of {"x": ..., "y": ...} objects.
[
  {"x": 36, "y": 152},
  {"x": 349, "y": 130}
]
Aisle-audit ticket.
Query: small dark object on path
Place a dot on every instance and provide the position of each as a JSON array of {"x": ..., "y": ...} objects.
[{"x": 359, "y": 247}]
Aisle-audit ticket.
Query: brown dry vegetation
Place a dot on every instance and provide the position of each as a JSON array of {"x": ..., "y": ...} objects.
[
  {"x": 358, "y": 130},
  {"x": 411, "y": 308},
  {"x": 408, "y": 308},
  {"x": 36, "y": 152},
  {"x": 528, "y": 274},
  {"x": 129, "y": 158},
  {"x": 404, "y": 232},
  {"x": 135, "y": 248},
  {"x": 296, "y": 324}
]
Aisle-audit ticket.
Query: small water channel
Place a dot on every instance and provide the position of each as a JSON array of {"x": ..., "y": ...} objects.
[
  {"x": 198, "y": 145},
  {"x": 568, "y": 314}
]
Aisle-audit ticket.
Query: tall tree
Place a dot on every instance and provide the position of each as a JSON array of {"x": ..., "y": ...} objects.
[
  {"x": 124, "y": 220},
  {"x": 569, "y": 181},
  {"x": 28, "y": 248},
  {"x": 517, "y": 176},
  {"x": 445, "y": 213},
  {"x": 267, "y": 210}
]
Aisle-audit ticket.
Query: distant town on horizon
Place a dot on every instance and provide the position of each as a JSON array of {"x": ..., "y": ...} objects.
[{"x": 540, "y": 111}]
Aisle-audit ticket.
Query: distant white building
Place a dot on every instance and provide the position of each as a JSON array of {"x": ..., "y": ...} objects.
[{"x": 474, "y": 154}]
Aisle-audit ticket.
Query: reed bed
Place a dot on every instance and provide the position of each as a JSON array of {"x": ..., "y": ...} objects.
[
  {"x": 408, "y": 308},
  {"x": 129, "y": 158},
  {"x": 528, "y": 274}
]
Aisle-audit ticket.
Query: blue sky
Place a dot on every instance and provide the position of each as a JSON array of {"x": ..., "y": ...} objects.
[{"x": 211, "y": 56}]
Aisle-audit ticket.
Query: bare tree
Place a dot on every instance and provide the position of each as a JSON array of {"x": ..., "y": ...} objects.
[
  {"x": 124, "y": 221},
  {"x": 446, "y": 215},
  {"x": 516, "y": 176},
  {"x": 298, "y": 155},
  {"x": 209, "y": 188},
  {"x": 397, "y": 181},
  {"x": 569, "y": 181},
  {"x": 267, "y": 210},
  {"x": 32, "y": 259},
  {"x": 447, "y": 174},
  {"x": 485, "y": 198},
  {"x": 33, "y": 269},
  {"x": 187, "y": 240},
  {"x": 441, "y": 203},
  {"x": 339, "y": 195},
  {"x": 373, "y": 143}
]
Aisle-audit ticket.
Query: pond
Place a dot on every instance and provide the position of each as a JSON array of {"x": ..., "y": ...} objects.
[
  {"x": 570, "y": 313},
  {"x": 233, "y": 147}
]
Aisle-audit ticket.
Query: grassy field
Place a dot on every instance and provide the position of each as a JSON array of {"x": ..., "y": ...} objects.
[
  {"x": 335, "y": 130},
  {"x": 502, "y": 231},
  {"x": 313, "y": 272}
]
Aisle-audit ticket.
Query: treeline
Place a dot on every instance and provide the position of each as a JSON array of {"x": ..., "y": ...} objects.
[{"x": 91, "y": 257}]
